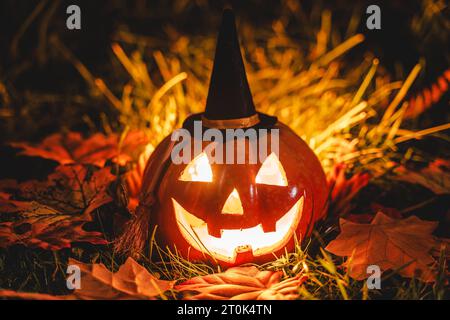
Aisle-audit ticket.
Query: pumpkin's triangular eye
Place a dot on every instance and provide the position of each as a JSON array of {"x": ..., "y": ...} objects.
[
  {"x": 272, "y": 172},
  {"x": 198, "y": 169}
]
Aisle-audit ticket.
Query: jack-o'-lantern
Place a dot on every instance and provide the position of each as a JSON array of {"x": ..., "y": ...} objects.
[{"x": 232, "y": 213}]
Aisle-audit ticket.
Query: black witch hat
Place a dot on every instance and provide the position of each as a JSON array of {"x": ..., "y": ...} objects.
[{"x": 230, "y": 103}]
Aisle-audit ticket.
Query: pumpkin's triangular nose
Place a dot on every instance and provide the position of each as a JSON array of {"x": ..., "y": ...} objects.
[
  {"x": 229, "y": 95},
  {"x": 233, "y": 205}
]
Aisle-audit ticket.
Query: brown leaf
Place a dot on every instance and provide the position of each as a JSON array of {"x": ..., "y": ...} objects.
[
  {"x": 51, "y": 214},
  {"x": 435, "y": 177},
  {"x": 131, "y": 281},
  {"x": 73, "y": 148},
  {"x": 241, "y": 283},
  {"x": 388, "y": 243},
  {"x": 344, "y": 188}
]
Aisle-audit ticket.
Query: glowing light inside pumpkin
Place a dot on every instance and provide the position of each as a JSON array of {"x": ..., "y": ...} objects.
[
  {"x": 233, "y": 205},
  {"x": 272, "y": 172},
  {"x": 198, "y": 169},
  {"x": 225, "y": 247}
]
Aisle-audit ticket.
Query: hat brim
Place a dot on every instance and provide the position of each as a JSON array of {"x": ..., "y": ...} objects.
[{"x": 265, "y": 122}]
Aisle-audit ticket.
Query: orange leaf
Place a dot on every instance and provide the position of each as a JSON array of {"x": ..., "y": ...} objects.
[
  {"x": 131, "y": 281},
  {"x": 241, "y": 283},
  {"x": 97, "y": 149},
  {"x": 388, "y": 243}
]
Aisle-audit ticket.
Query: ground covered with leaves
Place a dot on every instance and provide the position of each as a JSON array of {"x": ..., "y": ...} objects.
[{"x": 74, "y": 151}]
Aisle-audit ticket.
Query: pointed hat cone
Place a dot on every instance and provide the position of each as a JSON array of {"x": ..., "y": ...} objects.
[{"x": 229, "y": 95}]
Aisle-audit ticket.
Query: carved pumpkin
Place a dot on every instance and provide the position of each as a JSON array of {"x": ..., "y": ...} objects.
[
  {"x": 234, "y": 213},
  {"x": 240, "y": 212}
]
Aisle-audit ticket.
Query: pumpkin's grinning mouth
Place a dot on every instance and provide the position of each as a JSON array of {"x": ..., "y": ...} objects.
[{"x": 239, "y": 241}]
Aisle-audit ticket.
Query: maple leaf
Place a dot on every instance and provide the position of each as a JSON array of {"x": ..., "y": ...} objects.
[
  {"x": 51, "y": 214},
  {"x": 343, "y": 189},
  {"x": 402, "y": 245},
  {"x": 71, "y": 147},
  {"x": 241, "y": 283},
  {"x": 436, "y": 176},
  {"x": 131, "y": 281}
]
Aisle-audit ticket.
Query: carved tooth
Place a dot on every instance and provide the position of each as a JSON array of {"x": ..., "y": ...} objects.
[
  {"x": 214, "y": 231},
  {"x": 244, "y": 254},
  {"x": 269, "y": 226}
]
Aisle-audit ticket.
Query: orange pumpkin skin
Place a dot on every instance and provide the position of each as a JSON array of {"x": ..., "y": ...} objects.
[{"x": 262, "y": 204}]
